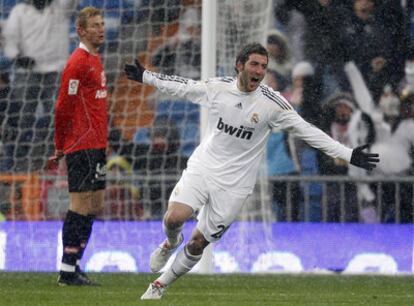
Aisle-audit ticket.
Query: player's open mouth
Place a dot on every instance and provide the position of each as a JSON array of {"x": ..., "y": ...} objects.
[{"x": 255, "y": 79}]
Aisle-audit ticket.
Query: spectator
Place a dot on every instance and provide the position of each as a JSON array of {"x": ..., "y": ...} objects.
[
  {"x": 37, "y": 40},
  {"x": 293, "y": 26},
  {"x": 366, "y": 126},
  {"x": 282, "y": 160},
  {"x": 279, "y": 54},
  {"x": 398, "y": 160},
  {"x": 338, "y": 112},
  {"x": 308, "y": 96},
  {"x": 374, "y": 36},
  {"x": 393, "y": 124},
  {"x": 300, "y": 71},
  {"x": 323, "y": 46},
  {"x": 181, "y": 54}
]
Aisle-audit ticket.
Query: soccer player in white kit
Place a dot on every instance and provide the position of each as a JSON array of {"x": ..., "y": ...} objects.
[{"x": 222, "y": 171}]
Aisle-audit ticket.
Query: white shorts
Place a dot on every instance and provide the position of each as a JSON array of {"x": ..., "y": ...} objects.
[{"x": 217, "y": 207}]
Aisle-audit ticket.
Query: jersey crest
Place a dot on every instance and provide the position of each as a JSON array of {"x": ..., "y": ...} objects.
[
  {"x": 73, "y": 87},
  {"x": 255, "y": 118}
]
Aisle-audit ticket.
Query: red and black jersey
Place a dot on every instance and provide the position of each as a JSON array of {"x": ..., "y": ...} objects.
[{"x": 81, "y": 115}]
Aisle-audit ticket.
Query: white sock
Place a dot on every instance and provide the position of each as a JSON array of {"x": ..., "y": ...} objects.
[
  {"x": 172, "y": 234},
  {"x": 182, "y": 264}
]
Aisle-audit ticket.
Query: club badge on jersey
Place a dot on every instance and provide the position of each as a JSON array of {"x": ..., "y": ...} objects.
[
  {"x": 73, "y": 87},
  {"x": 255, "y": 118}
]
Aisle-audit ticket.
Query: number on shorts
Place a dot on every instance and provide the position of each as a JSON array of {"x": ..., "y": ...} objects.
[{"x": 221, "y": 232}]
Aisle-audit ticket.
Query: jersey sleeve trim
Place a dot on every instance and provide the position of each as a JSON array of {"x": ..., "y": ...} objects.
[
  {"x": 226, "y": 79},
  {"x": 275, "y": 98},
  {"x": 171, "y": 78}
]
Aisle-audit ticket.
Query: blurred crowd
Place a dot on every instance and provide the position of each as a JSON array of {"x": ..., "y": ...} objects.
[
  {"x": 349, "y": 74},
  {"x": 347, "y": 66}
]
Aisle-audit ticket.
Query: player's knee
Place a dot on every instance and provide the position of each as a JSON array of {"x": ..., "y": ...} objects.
[
  {"x": 196, "y": 245},
  {"x": 177, "y": 214},
  {"x": 172, "y": 220}
]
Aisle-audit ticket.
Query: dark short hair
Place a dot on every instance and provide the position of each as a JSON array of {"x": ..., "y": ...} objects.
[{"x": 252, "y": 48}]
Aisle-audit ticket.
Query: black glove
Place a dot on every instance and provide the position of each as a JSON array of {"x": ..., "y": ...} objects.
[
  {"x": 25, "y": 62},
  {"x": 364, "y": 160},
  {"x": 134, "y": 72}
]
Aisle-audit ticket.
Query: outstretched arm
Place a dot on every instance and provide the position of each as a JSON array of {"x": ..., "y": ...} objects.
[
  {"x": 195, "y": 91},
  {"x": 316, "y": 138}
]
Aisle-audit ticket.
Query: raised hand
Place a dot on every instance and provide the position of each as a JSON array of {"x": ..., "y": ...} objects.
[
  {"x": 134, "y": 72},
  {"x": 364, "y": 160}
]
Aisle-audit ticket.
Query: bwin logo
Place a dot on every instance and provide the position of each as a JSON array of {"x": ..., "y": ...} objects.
[{"x": 240, "y": 132}]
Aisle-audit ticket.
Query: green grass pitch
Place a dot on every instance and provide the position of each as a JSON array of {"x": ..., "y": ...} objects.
[{"x": 236, "y": 289}]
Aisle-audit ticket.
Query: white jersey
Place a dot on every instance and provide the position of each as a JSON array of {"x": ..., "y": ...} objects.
[{"x": 238, "y": 127}]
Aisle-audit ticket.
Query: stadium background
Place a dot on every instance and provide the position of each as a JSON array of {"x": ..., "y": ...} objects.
[{"x": 33, "y": 201}]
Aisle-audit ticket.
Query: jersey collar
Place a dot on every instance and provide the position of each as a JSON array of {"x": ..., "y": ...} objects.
[
  {"x": 83, "y": 46},
  {"x": 245, "y": 93}
]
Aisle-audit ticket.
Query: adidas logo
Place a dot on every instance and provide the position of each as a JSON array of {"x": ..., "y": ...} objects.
[{"x": 239, "y": 105}]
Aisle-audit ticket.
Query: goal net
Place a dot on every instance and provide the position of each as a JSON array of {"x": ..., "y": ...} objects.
[{"x": 151, "y": 135}]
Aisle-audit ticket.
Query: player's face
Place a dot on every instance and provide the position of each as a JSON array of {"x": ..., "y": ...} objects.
[
  {"x": 252, "y": 72},
  {"x": 94, "y": 33}
]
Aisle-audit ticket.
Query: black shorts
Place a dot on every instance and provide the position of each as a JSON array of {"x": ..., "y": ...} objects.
[{"x": 86, "y": 170}]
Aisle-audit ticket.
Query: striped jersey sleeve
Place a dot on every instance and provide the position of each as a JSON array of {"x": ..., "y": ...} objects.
[
  {"x": 276, "y": 98},
  {"x": 194, "y": 91}
]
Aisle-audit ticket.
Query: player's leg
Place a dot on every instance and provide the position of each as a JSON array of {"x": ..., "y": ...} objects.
[
  {"x": 174, "y": 218},
  {"x": 185, "y": 260},
  {"x": 188, "y": 196},
  {"x": 86, "y": 189},
  {"x": 97, "y": 183},
  {"x": 213, "y": 221},
  {"x": 95, "y": 203},
  {"x": 75, "y": 220}
]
